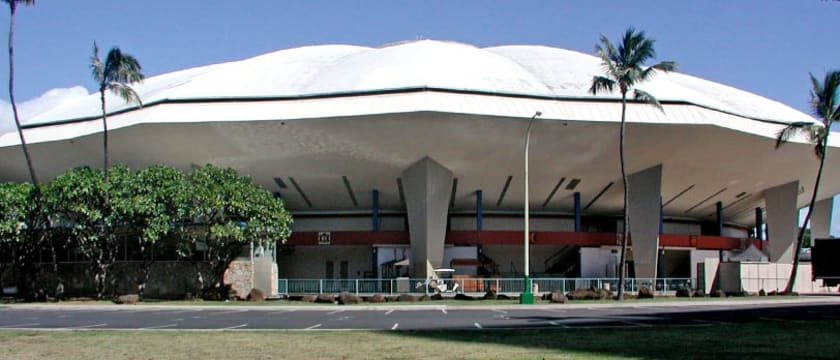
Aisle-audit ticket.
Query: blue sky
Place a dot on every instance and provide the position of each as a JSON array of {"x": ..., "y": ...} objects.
[{"x": 766, "y": 47}]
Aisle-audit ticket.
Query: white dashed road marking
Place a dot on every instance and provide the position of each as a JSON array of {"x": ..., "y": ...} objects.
[
  {"x": 313, "y": 327},
  {"x": 20, "y": 325},
  {"x": 389, "y": 312},
  {"x": 281, "y": 312},
  {"x": 395, "y": 326},
  {"x": 88, "y": 326},
  {"x": 633, "y": 323},
  {"x": 477, "y": 325},
  {"x": 227, "y": 312},
  {"x": 158, "y": 327},
  {"x": 444, "y": 311},
  {"x": 558, "y": 324},
  {"x": 335, "y": 312},
  {"x": 235, "y": 327}
]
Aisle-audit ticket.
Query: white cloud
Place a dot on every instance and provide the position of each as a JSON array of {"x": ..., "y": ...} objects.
[{"x": 30, "y": 108}]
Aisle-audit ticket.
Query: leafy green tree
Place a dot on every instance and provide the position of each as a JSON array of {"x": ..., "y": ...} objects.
[
  {"x": 229, "y": 212},
  {"x": 116, "y": 75},
  {"x": 17, "y": 245},
  {"x": 76, "y": 200},
  {"x": 825, "y": 106},
  {"x": 156, "y": 206},
  {"x": 624, "y": 68},
  {"x": 13, "y": 4}
]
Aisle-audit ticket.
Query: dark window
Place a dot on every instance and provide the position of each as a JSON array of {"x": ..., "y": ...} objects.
[
  {"x": 344, "y": 270},
  {"x": 329, "y": 274}
]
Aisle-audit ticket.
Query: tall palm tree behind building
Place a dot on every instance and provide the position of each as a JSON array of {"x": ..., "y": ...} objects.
[
  {"x": 116, "y": 75},
  {"x": 824, "y": 105},
  {"x": 13, "y": 4},
  {"x": 624, "y": 67}
]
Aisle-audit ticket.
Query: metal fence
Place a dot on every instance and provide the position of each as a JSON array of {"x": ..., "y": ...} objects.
[{"x": 473, "y": 286}]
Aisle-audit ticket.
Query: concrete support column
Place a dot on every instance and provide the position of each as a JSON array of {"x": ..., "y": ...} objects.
[
  {"x": 479, "y": 210},
  {"x": 374, "y": 214},
  {"x": 644, "y": 207},
  {"x": 821, "y": 218},
  {"x": 759, "y": 223},
  {"x": 782, "y": 217},
  {"x": 428, "y": 186},
  {"x": 577, "y": 211}
]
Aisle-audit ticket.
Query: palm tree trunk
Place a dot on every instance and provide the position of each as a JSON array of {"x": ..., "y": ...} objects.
[
  {"x": 801, "y": 236},
  {"x": 626, "y": 230},
  {"x": 104, "y": 132},
  {"x": 12, "y": 6}
]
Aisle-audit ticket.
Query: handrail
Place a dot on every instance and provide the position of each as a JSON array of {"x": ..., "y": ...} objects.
[{"x": 479, "y": 286}]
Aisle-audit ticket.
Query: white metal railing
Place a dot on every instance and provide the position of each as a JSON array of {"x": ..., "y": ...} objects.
[{"x": 473, "y": 285}]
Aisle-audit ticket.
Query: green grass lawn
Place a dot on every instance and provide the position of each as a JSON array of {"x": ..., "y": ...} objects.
[{"x": 736, "y": 341}]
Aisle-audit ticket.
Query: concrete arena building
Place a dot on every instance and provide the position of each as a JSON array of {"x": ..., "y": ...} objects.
[{"x": 414, "y": 151}]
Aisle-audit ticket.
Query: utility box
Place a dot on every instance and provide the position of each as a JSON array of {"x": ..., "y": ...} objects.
[{"x": 403, "y": 284}]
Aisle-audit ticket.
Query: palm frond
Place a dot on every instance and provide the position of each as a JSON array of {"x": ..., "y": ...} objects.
[
  {"x": 639, "y": 50},
  {"x": 824, "y": 96},
  {"x": 643, "y": 96},
  {"x": 601, "y": 84},
  {"x": 664, "y": 66},
  {"x": 13, "y": 4},
  {"x": 96, "y": 68},
  {"x": 785, "y": 134},
  {"x": 126, "y": 92},
  {"x": 117, "y": 73},
  {"x": 608, "y": 56}
]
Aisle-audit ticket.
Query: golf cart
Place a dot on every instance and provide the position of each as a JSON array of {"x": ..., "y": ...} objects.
[{"x": 441, "y": 281}]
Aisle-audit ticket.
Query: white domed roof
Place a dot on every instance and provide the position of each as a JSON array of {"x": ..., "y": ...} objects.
[{"x": 335, "y": 69}]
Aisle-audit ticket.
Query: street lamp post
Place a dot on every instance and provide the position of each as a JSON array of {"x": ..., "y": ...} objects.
[{"x": 527, "y": 296}]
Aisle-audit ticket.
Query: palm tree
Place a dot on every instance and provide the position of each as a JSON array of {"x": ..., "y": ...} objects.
[
  {"x": 624, "y": 68},
  {"x": 12, "y": 8},
  {"x": 825, "y": 107},
  {"x": 117, "y": 74}
]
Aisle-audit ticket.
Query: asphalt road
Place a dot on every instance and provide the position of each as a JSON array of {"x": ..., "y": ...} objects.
[{"x": 413, "y": 317}]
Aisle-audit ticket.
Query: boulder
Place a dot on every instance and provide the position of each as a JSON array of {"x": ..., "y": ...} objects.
[
  {"x": 684, "y": 292},
  {"x": 346, "y": 298},
  {"x": 256, "y": 295},
  {"x": 325, "y": 299},
  {"x": 762, "y": 292},
  {"x": 557, "y": 297},
  {"x": 645, "y": 293},
  {"x": 463, "y": 297},
  {"x": 408, "y": 298},
  {"x": 583, "y": 294},
  {"x": 718, "y": 294},
  {"x": 378, "y": 298},
  {"x": 308, "y": 298},
  {"x": 127, "y": 299},
  {"x": 436, "y": 297},
  {"x": 603, "y": 294},
  {"x": 699, "y": 293},
  {"x": 502, "y": 297},
  {"x": 490, "y": 295}
]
